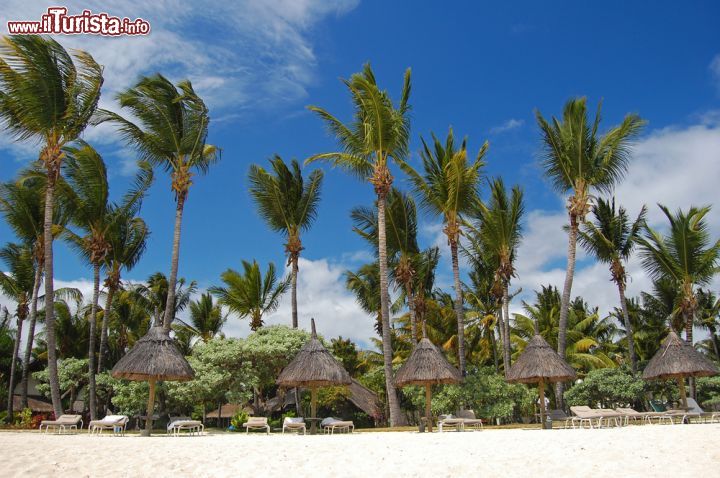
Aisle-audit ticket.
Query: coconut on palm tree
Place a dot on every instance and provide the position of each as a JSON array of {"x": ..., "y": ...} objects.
[
  {"x": 49, "y": 96},
  {"x": 611, "y": 239},
  {"x": 378, "y": 133},
  {"x": 170, "y": 132},
  {"x": 499, "y": 233},
  {"x": 17, "y": 284},
  {"x": 448, "y": 186},
  {"x": 250, "y": 293},
  {"x": 289, "y": 205},
  {"x": 579, "y": 160}
]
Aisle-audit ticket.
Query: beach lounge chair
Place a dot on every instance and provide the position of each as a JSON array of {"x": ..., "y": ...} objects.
[
  {"x": 330, "y": 424},
  {"x": 628, "y": 414},
  {"x": 469, "y": 419},
  {"x": 116, "y": 423},
  {"x": 611, "y": 416},
  {"x": 177, "y": 424},
  {"x": 257, "y": 423},
  {"x": 294, "y": 424},
  {"x": 558, "y": 415},
  {"x": 63, "y": 423},
  {"x": 584, "y": 414},
  {"x": 450, "y": 421},
  {"x": 695, "y": 411}
]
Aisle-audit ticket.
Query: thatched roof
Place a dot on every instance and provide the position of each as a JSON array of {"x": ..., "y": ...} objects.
[
  {"x": 37, "y": 406},
  {"x": 227, "y": 411},
  {"x": 426, "y": 364},
  {"x": 313, "y": 366},
  {"x": 676, "y": 358},
  {"x": 539, "y": 361},
  {"x": 154, "y": 356},
  {"x": 365, "y": 399}
]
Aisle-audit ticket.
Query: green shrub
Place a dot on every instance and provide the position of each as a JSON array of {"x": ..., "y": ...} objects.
[
  {"x": 708, "y": 392},
  {"x": 238, "y": 419},
  {"x": 24, "y": 418},
  {"x": 609, "y": 388}
]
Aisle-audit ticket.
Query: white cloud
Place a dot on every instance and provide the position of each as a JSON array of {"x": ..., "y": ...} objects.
[
  {"x": 715, "y": 69},
  {"x": 508, "y": 125}
]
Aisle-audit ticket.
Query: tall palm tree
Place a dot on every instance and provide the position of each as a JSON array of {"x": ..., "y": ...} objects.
[
  {"x": 577, "y": 159},
  {"x": 611, "y": 239},
  {"x": 365, "y": 284},
  {"x": 289, "y": 205},
  {"x": 448, "y": 187},
  {"x": 48, "y": 96},
  {"x": 378, "y": 134},
  {"x": 206, "y": 318},
  {"x": 127, "y": 237},
  {"x": 402, "y": 246},
  {"x": 250, "y": 294},
  {"x": 499, "y": 234},
  {"x": 171, "y": 133},
  {"x": 709, "y": 319},
  {"x": 685, "y": 256},
  {"x": 154, "y": 295},
  {"x": 17, "y": 284}
]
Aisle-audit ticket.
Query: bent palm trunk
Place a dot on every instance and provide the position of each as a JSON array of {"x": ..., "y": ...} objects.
[
  {"x": 91, "y": 346},
  {"x": 458, "y": 306},
  {"x": 565, "y": 302},
  {"x": 172, "y": 280},
  {"x": 30, "y": 338},
  {"x": 104, "y": 328},
  {"x": 396, "y": 417}
]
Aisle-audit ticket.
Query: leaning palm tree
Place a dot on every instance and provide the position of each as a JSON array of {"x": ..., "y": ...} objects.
[
  {"x": 171, "y": 131},
  {"x": 448, "y": 187},
  {"x": 685, "y": 256},
  {"x": 289, "y": 205},
  {"x": 17, "y": 284},
  {"x": 48, "y": 96},
  {"x": 499, "y": 233},
  {"x": 206, "y": 318},
  {"x": 250, "y": 294},
  {"x": 378, "y": 133},
  {"x": 611, "y": 239},
  {"x": 578, "y": 160}
]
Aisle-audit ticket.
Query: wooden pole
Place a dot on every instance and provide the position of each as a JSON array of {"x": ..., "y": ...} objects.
[
  {"x": 541, "y": 391},
  {"x": 150, "y": 408},
  {"x": 313, "y": 409},
  {"x": 683, "y": 396},
  {"x": 428, "y": 401}
]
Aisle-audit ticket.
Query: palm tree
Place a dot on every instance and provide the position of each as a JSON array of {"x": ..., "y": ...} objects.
[
  {"x": 402, "y": 247},
  {"x": 578, "y": 160},
  {"x": 685, "y": 256},
  {"x": 499, "y": 234},
  {"x": 251, "y": 294},
  {"x": 171, "y": 133},
  {"x": 17, "y": 284},
  {"x": 288, "y": 205},
  {"x": 365, "y": 284},
  {"x": 48, "y": 96},
  {"x": 206, "y": 318},
  {"x": 449, "y": 187},
  {"x": 127, "y": 237},
  {"x": 611, "y": 239},
  {"x": 378, "y": 133},
  {"x": 709, "y": 319},
  {"x": 154, "y": 296}
]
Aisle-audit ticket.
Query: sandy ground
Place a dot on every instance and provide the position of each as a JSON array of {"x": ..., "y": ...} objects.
[{"x": 655, "y": 450}]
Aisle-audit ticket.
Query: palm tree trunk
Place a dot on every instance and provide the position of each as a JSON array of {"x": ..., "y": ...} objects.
[
  {"x": 411, "y": 308},
  {"x": 30, "y": 338},
  {"x": 91, "y": 347},
  {"x": 716, "y": 343},
  {"x": 49, "y": 296},
  {"x": 688, "y": 315},
  {"x": 458, "y": 306},
  {"x": 565, "y": 302},
  {"x": 493, "y": 344},
  {"x": 104, "y": 328},
  {"x": 150, "y": 409},
  {"x": 293, "y": 292},
  {"x": 396, "y": 417},
  {"x": 506, "y": 329},
  {"x": 172, "y": 280},
  {"x": 501, "y": 332},
  {"x": 628, "y": 328},
  {"x": 11, "y": 385}
]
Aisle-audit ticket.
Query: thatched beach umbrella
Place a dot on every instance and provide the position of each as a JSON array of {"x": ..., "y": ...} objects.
[
  {"x": 313, "y": 367},
  {"x": 154, "y": 357},
  {"x": 539, "y": 363},
  {"x": 427, "y": 366},
  {"x": 677, "y": 359}
]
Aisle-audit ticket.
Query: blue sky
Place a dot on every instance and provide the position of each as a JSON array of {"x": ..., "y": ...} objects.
[{"x": 481, "y": 68}]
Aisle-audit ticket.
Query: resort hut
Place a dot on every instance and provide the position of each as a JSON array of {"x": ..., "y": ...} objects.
[
  {"x": 154, "y": 357},
  {"x": 426, "y": 366},
  {"x": 313, "y": 367},
  {"x": 677, "y": 359},
  {"x": 539, "y": 363}
]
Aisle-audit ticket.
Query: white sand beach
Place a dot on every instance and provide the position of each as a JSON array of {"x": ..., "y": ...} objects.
[{"x": 687, "y": 450}]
